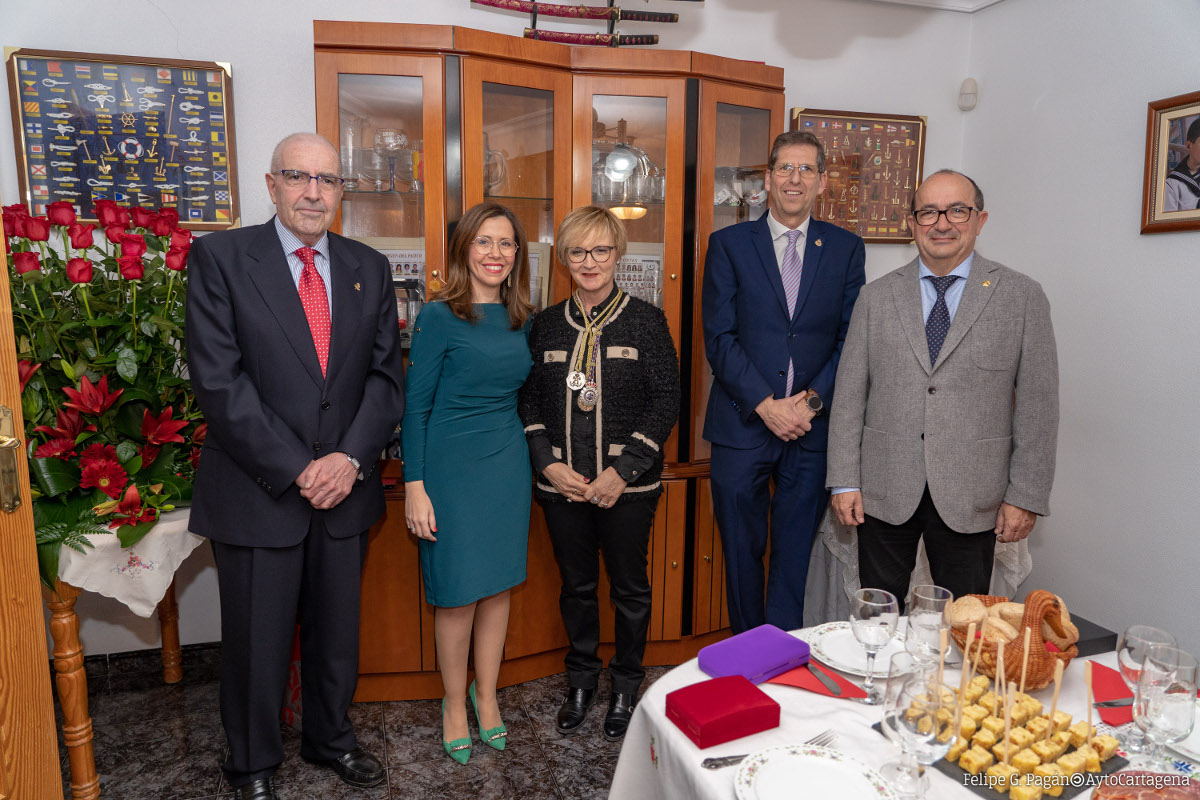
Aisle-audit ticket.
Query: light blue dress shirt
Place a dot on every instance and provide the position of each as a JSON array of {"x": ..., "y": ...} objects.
[{"x": 295, "y": 265}]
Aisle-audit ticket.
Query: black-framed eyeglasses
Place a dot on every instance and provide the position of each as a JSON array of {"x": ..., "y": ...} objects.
[
  {"x": 785, "y": 170},
  {"x": 601, "y": 253},
  {"x": 295, "y": 178},
  {"x": 956, "y": 214},
  {"x": 484, "y": 244}
]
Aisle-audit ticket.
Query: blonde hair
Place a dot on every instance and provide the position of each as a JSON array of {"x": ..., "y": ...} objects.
[{"x": 586, "y": 222}]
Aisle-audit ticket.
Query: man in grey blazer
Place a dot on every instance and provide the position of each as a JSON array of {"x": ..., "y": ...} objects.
[{"x": 946, "y": 416}]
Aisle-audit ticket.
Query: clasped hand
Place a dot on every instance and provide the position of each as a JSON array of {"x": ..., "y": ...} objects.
[
  {"x": 326, "y": 481},
  {"x": 604, "y": 491},
  {"x": 788, "y": 418}
]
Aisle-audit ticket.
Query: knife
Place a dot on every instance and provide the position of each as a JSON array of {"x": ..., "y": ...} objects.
[
  {"x": 1126, "y": 701},
  {"x": 829, "y": 682}
]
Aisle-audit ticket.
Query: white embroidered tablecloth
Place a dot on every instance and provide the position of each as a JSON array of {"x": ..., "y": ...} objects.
[{"x": 137, "y": 576}]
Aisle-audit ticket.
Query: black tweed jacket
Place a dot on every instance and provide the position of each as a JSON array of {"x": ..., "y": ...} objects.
[{"x": 638, "y": 378}]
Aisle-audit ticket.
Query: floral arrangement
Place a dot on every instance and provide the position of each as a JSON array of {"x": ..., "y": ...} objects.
[{"x": 112, "y": 428}]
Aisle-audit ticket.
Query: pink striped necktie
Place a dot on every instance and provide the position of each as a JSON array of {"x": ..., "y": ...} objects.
[
  {"x": 316, "y": 304},
  {"x": 790, "y": 271}
]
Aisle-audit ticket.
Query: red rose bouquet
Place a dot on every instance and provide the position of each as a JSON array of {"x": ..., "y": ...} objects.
[{"x": 112, "y": 428}]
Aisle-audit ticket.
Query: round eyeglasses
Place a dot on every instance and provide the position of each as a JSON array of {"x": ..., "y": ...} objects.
[
  {"x": 484, "y": 245},
  {"x": 601, "y": 253}
]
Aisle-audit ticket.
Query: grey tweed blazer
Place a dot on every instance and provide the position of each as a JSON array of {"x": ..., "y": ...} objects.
[{"x": 979, "y": 428}]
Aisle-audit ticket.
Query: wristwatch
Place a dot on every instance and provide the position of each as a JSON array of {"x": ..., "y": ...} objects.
[
  {"x": 357, "y": 466},
  {"x": 814, "y": 402}
]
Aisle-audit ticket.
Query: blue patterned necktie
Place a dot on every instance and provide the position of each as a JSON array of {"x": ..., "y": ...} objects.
[
  {"x": 938, "y": 323},
  {"x": 790, "y": 271}
]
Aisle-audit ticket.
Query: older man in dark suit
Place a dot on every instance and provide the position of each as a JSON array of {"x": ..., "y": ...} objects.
[
  {"x": 293, "y": 352},
  {"x": 946, "y": 421},
  {"x": 777, "y": 298}
]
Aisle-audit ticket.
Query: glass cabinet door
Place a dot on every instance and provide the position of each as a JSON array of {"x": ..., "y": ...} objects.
[
  {"x": 737, "y": 126},
  {"x": 519, "y": 117},
  {"x": 388, "y": 140}
]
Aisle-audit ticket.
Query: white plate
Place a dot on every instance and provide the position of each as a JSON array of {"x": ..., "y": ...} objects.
[
  {"x": 801, "y": 770},
  {"x": 834, "y": 644}
]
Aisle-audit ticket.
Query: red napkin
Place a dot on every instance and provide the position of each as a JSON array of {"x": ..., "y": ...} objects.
[
  {"x": 801, "y": 678},
  {"x": 1107, "y": 684}
]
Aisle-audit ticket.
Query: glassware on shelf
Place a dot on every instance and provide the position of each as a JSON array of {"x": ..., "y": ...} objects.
[
  {"x": 873, "y": 617},
  {"x": 1131, "y": 652},
  {"x": 351, "y": 133},
  {"x": 495, "y": 167},
  {"x": 389, "y": 142},
  {"x": 724, "y": 193},
  {"x": 1165, "y": 706},
  {"x": 375, "y": 172}
]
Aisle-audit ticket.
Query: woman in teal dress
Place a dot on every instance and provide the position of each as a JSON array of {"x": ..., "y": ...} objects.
[{"x": 467, "y": 476}]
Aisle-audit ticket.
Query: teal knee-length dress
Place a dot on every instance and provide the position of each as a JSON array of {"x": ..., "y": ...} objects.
[{"x": 461, "y": 435}]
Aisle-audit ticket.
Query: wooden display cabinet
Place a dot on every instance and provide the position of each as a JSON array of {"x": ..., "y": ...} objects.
[{"x": 543, "y": 128}]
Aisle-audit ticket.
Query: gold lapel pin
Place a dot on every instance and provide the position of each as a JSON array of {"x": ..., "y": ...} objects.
[
  {"x": 818, "y": 243},
  {"x": 357, "y": 287},
  {"x": 985, "y": 283}
]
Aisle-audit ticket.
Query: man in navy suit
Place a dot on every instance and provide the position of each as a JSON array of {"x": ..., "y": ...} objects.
[
  {"x": 293, "y": 353},
  {"x": 777, "y": 298}
]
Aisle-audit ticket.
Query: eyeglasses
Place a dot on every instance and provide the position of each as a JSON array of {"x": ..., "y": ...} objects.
[
  {"x": 786, "y": 170},
  {"x": 295, "y": 178},
  {"x": 484, "y": 245},
  {"x": 955, "y": 214},
  {"x": 601, "y": 253}
]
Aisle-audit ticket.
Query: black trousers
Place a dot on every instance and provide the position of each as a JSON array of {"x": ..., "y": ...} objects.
[
  {"x": 262, "y": 591},
  {"x": 579, "y": 532},
  {"x": 887, "y": 554}
]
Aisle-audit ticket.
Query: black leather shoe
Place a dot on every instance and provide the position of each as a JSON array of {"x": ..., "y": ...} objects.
[
  {"x": 357, "y": 768},
  {"x": 261, "y": 789},
  {"x": 573, "y": 711},
  {"x": 620, "y": 710}
]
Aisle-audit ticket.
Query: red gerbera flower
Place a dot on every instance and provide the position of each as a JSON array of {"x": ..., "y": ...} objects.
[
  {"x": 97, "y": 452},
  {"x": 91, "y": 399},
  {"x": 70, "y": 425},
  {"x": 56, "y": 448},
  {"x": 161, "y": 429},
  {"x": 106, "y": 475}
]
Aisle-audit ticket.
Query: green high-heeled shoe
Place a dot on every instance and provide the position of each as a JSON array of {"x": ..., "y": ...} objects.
[
  {"x": 493, "y": 737},
  {"x": 459, "y": 749}
]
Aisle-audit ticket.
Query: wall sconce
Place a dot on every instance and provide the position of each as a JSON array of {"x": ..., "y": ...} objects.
[{"x": 968, "y": 95}]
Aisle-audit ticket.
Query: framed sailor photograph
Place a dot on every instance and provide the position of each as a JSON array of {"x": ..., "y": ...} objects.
[
  {"x": 142, "y": 132},
  {"x": 874, "y": 163},
  {"x": 1171, "y": 187}
]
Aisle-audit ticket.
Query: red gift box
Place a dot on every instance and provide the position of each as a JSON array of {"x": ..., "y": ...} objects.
[{"x": 721, "y": 709}]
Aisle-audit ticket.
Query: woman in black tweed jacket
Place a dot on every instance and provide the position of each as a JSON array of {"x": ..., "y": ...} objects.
[{"x": 598, "y": 406}]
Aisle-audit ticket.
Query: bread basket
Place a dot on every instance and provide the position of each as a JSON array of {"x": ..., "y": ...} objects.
[{"x": 1046, "y": 617}]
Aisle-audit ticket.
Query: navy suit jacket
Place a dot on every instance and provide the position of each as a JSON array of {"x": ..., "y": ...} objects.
[
  {"x": 255, "y": 373},
  {"x": 748, "y": 336}
]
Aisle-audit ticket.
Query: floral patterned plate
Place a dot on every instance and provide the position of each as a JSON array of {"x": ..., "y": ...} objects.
[
  {"x": 834, "y": 644},
  {"x": 799, "y": 770}
]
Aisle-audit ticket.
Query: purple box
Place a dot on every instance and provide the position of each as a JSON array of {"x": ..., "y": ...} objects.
[{"x": 758, "y": 654}]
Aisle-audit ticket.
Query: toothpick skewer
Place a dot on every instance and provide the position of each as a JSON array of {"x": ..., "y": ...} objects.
[
  {"x": 963, "y": 681},
  {"x": 1008, "y": 690},
  {"x": 1001, "y": 675},
  {"x": 1058, "y": 668},
  {"x": 1025, "y": 660},
  {"x": 1091, "y": 698},
  {"x": 978, "y": 652}
]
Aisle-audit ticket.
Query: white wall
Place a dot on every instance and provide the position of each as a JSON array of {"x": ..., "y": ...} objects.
[
  {"x": 1057, "y": 143},
  {"x": 837, "y": 54}
]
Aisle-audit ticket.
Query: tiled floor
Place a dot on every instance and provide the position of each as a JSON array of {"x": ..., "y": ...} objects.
[{"x": 158, "y": 742}]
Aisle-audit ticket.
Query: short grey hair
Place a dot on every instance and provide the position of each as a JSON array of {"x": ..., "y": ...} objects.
[
  {"x": 296, "y": 138},
  {"x": 789, "y": 138},
  {"x": 978, "y": 192}
]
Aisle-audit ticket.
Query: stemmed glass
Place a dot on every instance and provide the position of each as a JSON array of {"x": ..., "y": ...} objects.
[
  {"x": 388, "y": 144},
  {"x": 873, "y": 617},
  {"x": 1165, "y": 708},
  {"x": 903, "y": 774},
  {"x": 1131, "y": 652},
  {"x": 926, "y": 621},
  {"x": 921, "y": 713}
]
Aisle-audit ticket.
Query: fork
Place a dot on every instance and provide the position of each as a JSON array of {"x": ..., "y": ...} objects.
[{"x": 823, "y": 739}]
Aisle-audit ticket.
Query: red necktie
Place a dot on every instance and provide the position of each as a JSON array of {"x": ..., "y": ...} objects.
[{"x": 316, "y": 304}]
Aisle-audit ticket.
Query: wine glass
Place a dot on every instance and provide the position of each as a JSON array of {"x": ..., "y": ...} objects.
[
  {"x": 873, "y": 617},
  {"x": 903, "y": 774},
  {"x": 921, "y": 712},
  {"x": 388, "y": 144},
  {"x": 1131, "y": 652},
  {"x": 926, "y": 621},
  {"x": 1165, "y": 707}
]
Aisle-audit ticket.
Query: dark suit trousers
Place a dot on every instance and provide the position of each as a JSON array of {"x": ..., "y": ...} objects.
[
  {"x": 887, "y": 554},
  {"x": 579, "y": 532},
  {"x": 742, "y": 497},
  {"x": 262, "y": 591}
]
